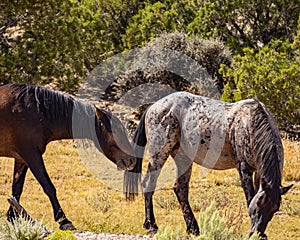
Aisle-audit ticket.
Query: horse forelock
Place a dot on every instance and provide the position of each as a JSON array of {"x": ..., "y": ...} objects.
[{"x": 268, "y": 149}]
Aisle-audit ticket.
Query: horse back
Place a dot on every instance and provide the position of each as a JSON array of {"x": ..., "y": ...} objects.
[
  {"x": 196, "y": 124},
  {"x": 20, "y": 123}
]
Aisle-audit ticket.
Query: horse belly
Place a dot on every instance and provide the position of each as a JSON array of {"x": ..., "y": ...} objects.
[{"x": 215, "y": 158}]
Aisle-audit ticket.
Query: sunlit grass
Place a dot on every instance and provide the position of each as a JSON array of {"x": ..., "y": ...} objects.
[
  {"x": 94, "y": 205},
  {"x": 292, "y": 160}
]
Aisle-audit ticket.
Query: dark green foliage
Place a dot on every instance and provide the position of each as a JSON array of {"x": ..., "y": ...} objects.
[
  {"x": 156, "y": 18},
  {"x": 272, "y": 75},
  {"x": 44, "y": 45},
  {"x": 238, "y": 23},
  {"x": 242, "y": 23},
  {"x": 58, "y": 43}
]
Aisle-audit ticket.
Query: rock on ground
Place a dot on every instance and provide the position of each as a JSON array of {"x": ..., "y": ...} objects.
[{"x": 109, "y": 236}]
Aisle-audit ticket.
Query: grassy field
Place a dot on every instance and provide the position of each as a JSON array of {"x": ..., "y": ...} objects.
[{"x": 98, "y": 206}]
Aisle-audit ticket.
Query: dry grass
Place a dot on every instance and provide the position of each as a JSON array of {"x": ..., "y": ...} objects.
[{"x": 94, "y": 205}]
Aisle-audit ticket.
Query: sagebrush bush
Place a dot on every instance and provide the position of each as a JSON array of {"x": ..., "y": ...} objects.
[
  {"x": 21, "y": 229},
  {"x": 173, "y": 59},
  {"x": 168, "y": 233},
  {"x": 211, "y": 225}
]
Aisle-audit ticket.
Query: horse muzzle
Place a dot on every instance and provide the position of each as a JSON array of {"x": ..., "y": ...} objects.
[
  {"x": 126, "y": 164},
  {"x": 254, "y": 228}
]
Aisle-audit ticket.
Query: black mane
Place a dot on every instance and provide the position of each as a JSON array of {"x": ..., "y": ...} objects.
[
  {"x": 53, "y": 106},
  {"x": 268, "y": 147}
]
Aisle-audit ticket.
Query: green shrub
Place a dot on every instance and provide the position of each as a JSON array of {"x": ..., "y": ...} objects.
[{"x": 62, "y": 235}]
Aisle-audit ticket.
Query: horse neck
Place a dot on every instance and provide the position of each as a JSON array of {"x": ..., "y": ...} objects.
[
  {"x": 75, "y": 121},
  {"x": 83, "y": 123}
]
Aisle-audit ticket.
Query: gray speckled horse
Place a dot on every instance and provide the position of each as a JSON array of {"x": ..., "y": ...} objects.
[{"x": 216, "y": 135}]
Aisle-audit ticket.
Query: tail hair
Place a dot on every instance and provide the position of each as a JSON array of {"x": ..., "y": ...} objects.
[{"x": 132, "y": 178}]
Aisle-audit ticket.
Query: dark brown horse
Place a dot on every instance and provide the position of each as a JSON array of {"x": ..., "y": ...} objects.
[
  {"x": 216, "y": 135},
  {"x": 32, "y": 116}
]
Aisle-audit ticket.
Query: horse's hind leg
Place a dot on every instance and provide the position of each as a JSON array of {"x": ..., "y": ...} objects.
[
  {"x": 181, "y": 189},
  {"x": 149, "y": 184},
  {"x": 155, "y": 165},
  {"x": 35, "y": 163},
  {"x": 20, "y": 170}
]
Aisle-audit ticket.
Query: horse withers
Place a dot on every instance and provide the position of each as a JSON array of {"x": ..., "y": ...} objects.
[
  {"x": 216, "y": 135},
  {"x": 32, "y": 116}
]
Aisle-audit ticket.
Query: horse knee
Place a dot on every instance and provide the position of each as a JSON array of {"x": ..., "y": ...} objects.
[{"x": 180, "y": 189}]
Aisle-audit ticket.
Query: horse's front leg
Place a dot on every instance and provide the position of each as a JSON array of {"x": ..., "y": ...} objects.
[
  {"x": 246, "y": 177},
  {"x": 35, "y": 162},
  {"x": 149, "y": 223},
  {"x": 181, "y": 189}
]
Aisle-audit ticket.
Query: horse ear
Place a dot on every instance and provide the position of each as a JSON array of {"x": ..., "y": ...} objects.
[
  {"x": 100, "y": 114},
  {"x": 284, "y": 190}
]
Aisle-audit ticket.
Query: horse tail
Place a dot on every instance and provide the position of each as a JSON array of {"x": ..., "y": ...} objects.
[{"x": 132, "y": 178}]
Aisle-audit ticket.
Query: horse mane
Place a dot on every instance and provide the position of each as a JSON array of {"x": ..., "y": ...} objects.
[
  {"x": 268, "y": 149},
  {"x": 54, "y": 105}
]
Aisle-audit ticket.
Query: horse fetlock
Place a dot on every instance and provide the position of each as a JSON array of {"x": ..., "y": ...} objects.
[
  {"x": 193, "y": 228},
  {"x": 66, "y": 225},
  {"x": 150, "y": 226}
]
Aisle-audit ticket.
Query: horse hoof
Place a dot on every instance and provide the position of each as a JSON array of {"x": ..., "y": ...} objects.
[
  {"x": 263, "y": 236},
  {"x": 67, "y": 226},
  {"x": 152, "y": 231},
  {"x": 194, "y": 232},
  {"x": 150, "y": 226}
]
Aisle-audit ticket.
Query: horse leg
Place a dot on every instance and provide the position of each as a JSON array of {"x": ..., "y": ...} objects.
[
  {"x": 246, "y": 175},
  {"x": 35, "y": 163},
  {"x": 181, "y": 189},
  {"x": 20, "y": 170},
  {"x": 163, "y": 134},
  {"x": 256, "y": 181},
  {"x": 149, "y": 184}
]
